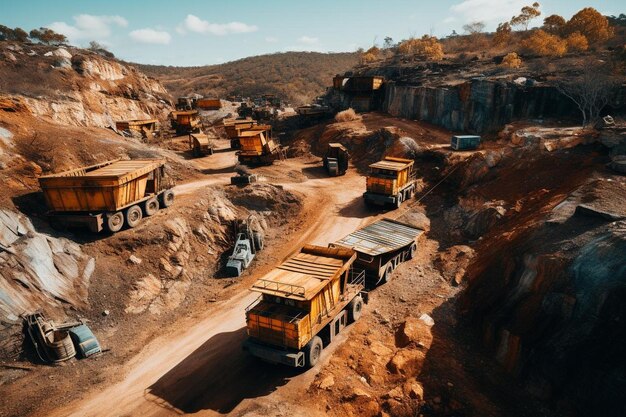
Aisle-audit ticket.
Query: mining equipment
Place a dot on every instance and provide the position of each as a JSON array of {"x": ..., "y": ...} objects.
[
  {"x": 108, "y": 195},
  {"x": 336, "y": 159},
  {"x": 143, "y": 128},
  {"x": 390, "y": 182},
  {"x": 304, "y": 303},
  {"x": 249, "y": 241},
  {"x": 464, "y": 142},
  {"x": 258, "y": 147},
  {"x": 381, "y": 247},
  {"x": 235, "y": 126},
  {"x": 201, "y": 144},
  {"x": 185, "y": 121}
]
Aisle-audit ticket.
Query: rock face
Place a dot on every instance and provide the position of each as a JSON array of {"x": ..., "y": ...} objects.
[
  {"x": 550, "y": 303},
  {"x": 38, "y": 271},
  {"x": 476, "y": 106},
  {"x": 84, "y": 88}
]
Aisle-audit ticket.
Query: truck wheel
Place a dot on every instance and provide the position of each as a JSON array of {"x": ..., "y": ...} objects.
[
  {"x": 399, "y": 200},
  {"x": 412, "y": 250},
  {"x": 355, "y": 308},
  {"x": 313, "y": 351},
  {"x": 258, "y": 241},
  {"x": 115, "y": 222},
  {"x": 387, "y": 274},
  {"x": 151, "y": 206},
  {"x": 167, "y": 198},
  {"x": 133, "y": 216}
]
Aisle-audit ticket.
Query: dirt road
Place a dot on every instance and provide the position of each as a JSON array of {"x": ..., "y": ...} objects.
[{"x": 199, "y": 367}]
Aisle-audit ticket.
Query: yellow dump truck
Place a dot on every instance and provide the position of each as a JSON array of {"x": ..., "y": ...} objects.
[
  {"x": 144, "y": 127},
  {"x": 107, "y": 195},
  {"x": 185, "y": 121},
  {"x": 208, "y": 104},
  {"x": 234, "y": 127},
  {"x": 201, "y": 144},
  {"x": 381, "y": 247},
  {"x": 304, "y": 303},
  {"x": 258, "y": 146},
  {"x": 390, "y": 182}
]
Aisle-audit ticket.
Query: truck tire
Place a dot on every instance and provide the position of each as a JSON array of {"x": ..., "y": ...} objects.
[
  {"x": 151, "y": 206},
  {"x": 133, "y": 216},
  {"x": 313, "y": 352},
  {"x": 355, "y": 309},
  {"x": 399, "y": 200},
  {"x": 387, "y": 275},
  {"x": 258, "y": 241},
  {"x": 412, "y": 250},
  {"x": 115, "y": 221},
  {"x": 167, "y": 198}
]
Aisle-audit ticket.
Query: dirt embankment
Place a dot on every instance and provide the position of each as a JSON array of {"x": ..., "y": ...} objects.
[{"x": 77, "y": 87}]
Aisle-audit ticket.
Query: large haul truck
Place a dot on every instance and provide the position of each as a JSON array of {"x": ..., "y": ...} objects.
[
  {"x": 107, "y": 195},
  {"x": 381, "y": 247},
  {"x": 390, "y": 182},
  {"x": 304, "y": 303}
]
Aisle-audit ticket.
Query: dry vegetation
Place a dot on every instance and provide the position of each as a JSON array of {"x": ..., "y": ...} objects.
[{"x": 297, "y": 77}]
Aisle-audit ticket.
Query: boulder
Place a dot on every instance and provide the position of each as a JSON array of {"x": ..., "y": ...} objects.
[
  {"x": 326, "y": 382},
  {"x": 414, "y": 390},
  {"x": 415, "y": 332},
  {"x": 407, "y": 362}
]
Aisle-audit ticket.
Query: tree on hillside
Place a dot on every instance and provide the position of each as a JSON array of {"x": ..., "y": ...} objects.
[
  {"x": 474, "y": 28},
  {"x": 527, "y": 14},
  {"x": 503, "y": 34},
  {"x": 544, "y": 44},
  {"x": 591, "y": 91},
  {"x": 617, "y": 20},
  {"x": 100, "y": 49},
  {"x": 388, "y": 42},
  {"x": 427, "y": 47},
  {"x": 47, "y": 36},
  {"x": 554, "y": 24},
  {"x": 590, "y": 23},
  {"x": 17, "y": 34}
]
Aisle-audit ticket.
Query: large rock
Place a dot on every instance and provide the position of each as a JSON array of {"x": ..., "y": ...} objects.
[
  {"x": 414, "y": 331},
  {"x": 407, "y": 362}
]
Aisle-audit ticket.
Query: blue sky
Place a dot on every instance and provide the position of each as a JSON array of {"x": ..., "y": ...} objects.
[{"x": 207, "y": 32}]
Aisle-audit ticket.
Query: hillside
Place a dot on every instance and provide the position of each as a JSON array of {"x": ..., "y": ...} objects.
[{"x": 298, "y": 77}]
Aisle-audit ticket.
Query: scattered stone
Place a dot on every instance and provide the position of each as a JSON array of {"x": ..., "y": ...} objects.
[
  {"x": 395, "y": 393},
  {"x": 414, "y": 390},
  {"x": 327, "y": 382},
  {"x": 106, "y": 313},
  {"x": 427, "y": 319},
  {"x": 135, "y": 260},
  {"x": 357, "y": 393}
]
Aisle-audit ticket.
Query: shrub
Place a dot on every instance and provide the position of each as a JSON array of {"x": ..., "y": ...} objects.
[
  {"x": 427, "y": 47},
  {"x": 47, "y": 36},
  {"x": 554, "y": 24},
  {"x": 511, "y": 60},
  {"x": 544, "y": 44},
  {"x": 590, "y": 23},
  {"x": 347, "y": 116},
  {"x": 371, "y": 54},
  {"x": 503, "y": 34},
  {"x": 577, "y": 42}
]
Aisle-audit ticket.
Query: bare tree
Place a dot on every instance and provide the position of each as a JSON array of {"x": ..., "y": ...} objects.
[
  {"x": 591, "y": 92},
  {"x": 474, "y": 28}
]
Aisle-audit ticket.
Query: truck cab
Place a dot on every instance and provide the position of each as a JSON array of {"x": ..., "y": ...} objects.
[
  {"x": 257, "y": 146},
  {"x": 390, "y": 182},
  {"x": 304, "y": 303},
  {"x": 336, "y": 159}
]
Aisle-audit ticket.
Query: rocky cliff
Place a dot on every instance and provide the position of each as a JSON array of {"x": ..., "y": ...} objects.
[
  {"x": 72, "y": 86},
  {"x": 478, "y": 105}
]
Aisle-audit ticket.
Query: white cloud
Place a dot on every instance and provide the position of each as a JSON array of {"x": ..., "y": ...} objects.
[
  {"x": 88, "y": 27},
  {"x": 271, "y": 39},
  {"x": 148, "y": 35},
  {"x": 193, "y": 23},
  {"x": 488, "y": 11},
  {"x": 308, "y": 40}
]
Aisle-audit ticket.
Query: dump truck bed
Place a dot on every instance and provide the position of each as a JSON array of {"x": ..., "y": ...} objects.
[
  {"x": 305, "y": 274},
  {"x": 380, "y": 237},
  {"x": 108, "y": 186},
  {"x": 393, "y": 164}
]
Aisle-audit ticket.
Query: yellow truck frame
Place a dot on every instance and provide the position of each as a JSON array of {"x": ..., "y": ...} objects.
[
  {"x": 145, "y": 127},
  {"x": 234, "y": 127},
  {"x": 201, "y": 144},
  {"x": 305, "y": 302},
  {"x": 185, "y": 121},
  {"x": 107, "y": 195},
  {"x": 390, "y": 182},
  {"x": 258, "y": 146}
]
